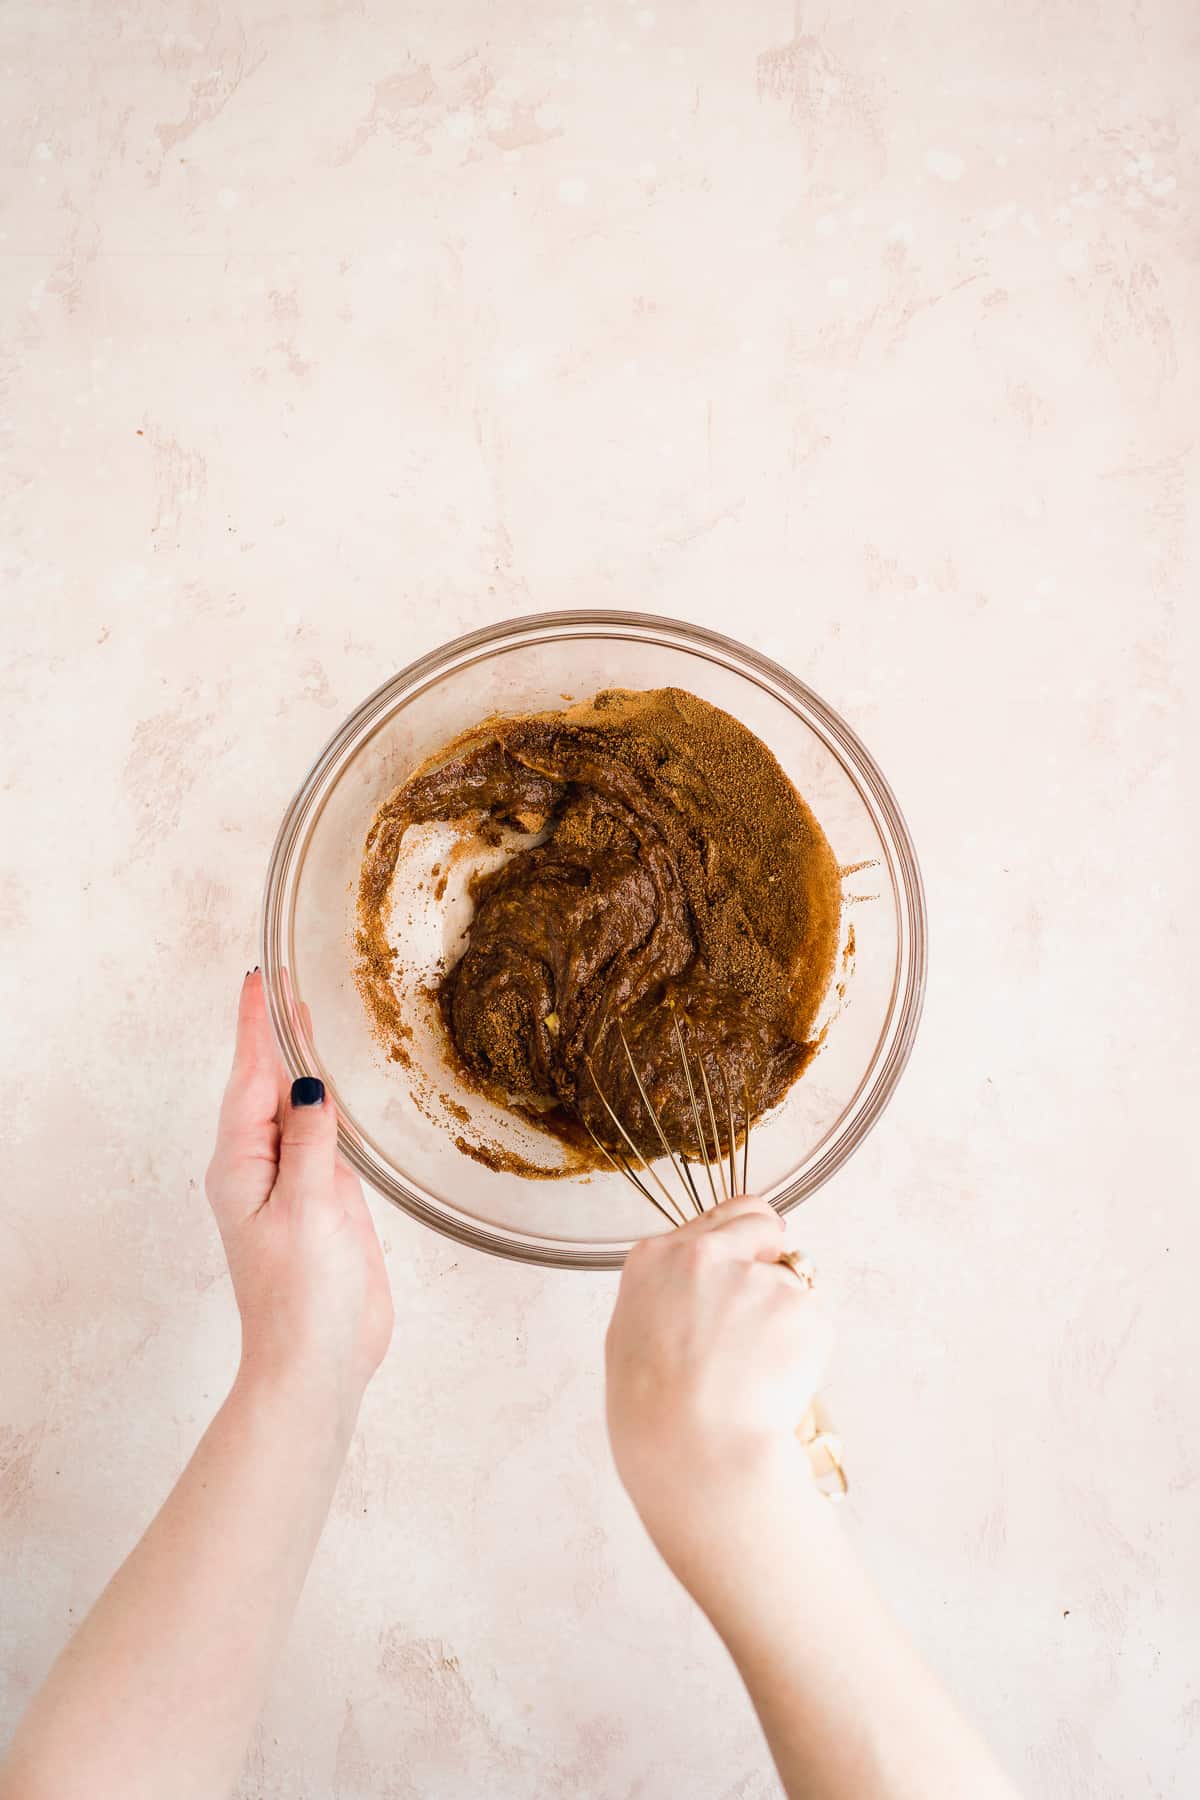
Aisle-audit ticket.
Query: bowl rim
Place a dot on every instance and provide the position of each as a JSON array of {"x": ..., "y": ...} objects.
[{"x": 894, "y": 1046}]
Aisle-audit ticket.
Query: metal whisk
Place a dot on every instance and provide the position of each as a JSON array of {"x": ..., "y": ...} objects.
[
  {"x": 815, "y": 1430},
  {"x": 723, "y": 1156}
]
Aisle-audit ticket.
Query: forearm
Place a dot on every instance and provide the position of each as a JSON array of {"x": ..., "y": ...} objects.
[
  {"x": 159, "y": 1689},
  {"x": 849, "y": 1710}
]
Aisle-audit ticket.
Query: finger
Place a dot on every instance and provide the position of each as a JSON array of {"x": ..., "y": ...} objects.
[
  {"x": 718, "y": 1218},
  {"x": 302, "y": 1024},
  {"x": 300, "y": 1020},
  {"x": 748, "y": 1237},
  {"x": 308, "y": 1142},
  {"x": 247, "y": 1119}
]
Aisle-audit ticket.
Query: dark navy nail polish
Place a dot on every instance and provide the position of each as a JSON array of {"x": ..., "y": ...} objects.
[{"x": 307, "y": 1091}]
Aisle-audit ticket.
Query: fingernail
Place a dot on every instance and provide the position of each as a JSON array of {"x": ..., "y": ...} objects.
[{"x": 307, "y": 1091}]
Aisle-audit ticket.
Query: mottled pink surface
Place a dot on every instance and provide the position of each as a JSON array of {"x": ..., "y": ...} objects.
[{"x": 869, "y": 335}]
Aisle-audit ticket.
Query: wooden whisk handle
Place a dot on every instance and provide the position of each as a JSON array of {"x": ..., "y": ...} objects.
[{"x": 824, "y": 1449}]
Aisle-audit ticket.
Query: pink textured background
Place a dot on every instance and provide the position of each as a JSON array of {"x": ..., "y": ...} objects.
[{"x": 866, "y": 333}]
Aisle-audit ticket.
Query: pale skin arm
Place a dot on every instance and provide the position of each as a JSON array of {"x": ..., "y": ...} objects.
[
  {"x": 714, "y": 1354},
  {"x": 159, "y": 1690}
]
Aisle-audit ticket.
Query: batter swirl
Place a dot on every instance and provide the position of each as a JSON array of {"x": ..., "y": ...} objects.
[{"x": 677, "y": 875}]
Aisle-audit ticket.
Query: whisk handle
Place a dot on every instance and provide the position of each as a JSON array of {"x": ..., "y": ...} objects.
[{"x": 824, "y": 1448}]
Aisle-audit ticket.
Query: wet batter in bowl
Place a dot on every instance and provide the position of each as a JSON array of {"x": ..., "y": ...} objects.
[{"x": 678, "y": 875}]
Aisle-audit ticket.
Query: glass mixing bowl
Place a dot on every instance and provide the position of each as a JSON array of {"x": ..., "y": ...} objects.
[{"x": 391, "y": 1128}]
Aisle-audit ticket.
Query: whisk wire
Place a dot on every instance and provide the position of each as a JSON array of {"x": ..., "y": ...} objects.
[
  {"x": 746, "y": 1141},
  {"x": 650, "y": 1170},
  {"x": 653, "y": 1112},
  {"x": 628, "y": 1160},
  {"x": 691, "y": 1088},
  {"x": 733, "y": 1186},
  {"x": 718, "y": 1154},
  {"x": 630, "y": 1174}
]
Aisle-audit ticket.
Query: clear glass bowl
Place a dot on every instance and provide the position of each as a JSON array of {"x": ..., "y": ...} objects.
[{"x": 525, "y": 665}]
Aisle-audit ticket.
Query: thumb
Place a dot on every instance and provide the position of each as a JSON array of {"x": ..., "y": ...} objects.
[{"x": 308, "y": 1141}]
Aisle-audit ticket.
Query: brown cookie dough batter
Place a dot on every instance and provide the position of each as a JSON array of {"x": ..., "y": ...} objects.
[{"x": 681, "y": 876}]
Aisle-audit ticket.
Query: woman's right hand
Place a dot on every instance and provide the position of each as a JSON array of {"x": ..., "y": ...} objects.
[{"x": 714, "y": 1353}]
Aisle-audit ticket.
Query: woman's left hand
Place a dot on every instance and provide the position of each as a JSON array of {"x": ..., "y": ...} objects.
[{"x": 307, "y": 1269}]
